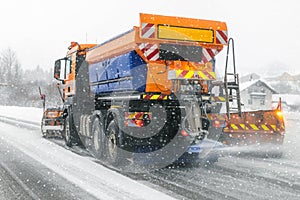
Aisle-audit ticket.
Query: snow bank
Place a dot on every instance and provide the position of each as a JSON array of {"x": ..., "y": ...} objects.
[{"x": 24, "y": 113}]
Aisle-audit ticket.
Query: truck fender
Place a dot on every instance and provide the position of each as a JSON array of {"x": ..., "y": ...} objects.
[
  {"x": 97, "y": 113},
  {"x": 115, "y": 114}
]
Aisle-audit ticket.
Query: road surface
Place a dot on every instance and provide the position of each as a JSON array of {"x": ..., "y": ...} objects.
[{"x": 32, "y": 167}]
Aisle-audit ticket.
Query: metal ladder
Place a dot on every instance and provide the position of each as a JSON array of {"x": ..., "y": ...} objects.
[{"x": 231, "y": 84}]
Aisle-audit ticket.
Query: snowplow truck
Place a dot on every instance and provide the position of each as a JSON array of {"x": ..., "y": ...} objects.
[
  {"x": 52, "y": 124},
  {"x": 141, "y": 90}
]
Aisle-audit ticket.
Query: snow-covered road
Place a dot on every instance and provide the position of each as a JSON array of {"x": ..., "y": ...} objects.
[
  {"x": 27, "y": 146},
  {"x": 237, "y": 175}
]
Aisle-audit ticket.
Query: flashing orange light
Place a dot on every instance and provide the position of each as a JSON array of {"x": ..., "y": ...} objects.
[{"x": 279, "y": 113}]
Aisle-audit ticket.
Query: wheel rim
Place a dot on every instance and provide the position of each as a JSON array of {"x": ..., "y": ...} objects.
[
  {"x": 96, "y": 136},
  {"x": 67, "y": 135},
  {"x": 112, "y": 146}
]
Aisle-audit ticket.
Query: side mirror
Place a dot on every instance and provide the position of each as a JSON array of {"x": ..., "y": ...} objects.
[
  {"x": 57, "y": 69},
  {"x": 62, "y": 68}
]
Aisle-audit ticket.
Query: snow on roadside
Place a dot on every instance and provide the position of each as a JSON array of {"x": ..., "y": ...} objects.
[{"x": 24, "y": 113}]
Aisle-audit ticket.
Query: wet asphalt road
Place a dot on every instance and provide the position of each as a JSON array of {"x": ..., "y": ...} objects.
[{"x": 21, "y": 177}]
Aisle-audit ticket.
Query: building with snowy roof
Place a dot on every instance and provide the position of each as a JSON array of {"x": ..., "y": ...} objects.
[{"x": 256, "y": 95}]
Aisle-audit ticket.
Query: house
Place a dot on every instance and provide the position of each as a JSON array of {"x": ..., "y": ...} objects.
[{"x": 256, "y": 95}]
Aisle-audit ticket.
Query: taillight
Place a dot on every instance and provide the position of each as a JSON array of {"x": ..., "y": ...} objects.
[
  {"x": 139, "y": 122},
  {"x": 217, "y": 124},
  {"x": 184, "y": 133},
  {"x": 134, "y": 123}
]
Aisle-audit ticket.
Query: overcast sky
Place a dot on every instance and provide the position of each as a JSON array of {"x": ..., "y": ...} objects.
[{"x": 266, "y": 32}]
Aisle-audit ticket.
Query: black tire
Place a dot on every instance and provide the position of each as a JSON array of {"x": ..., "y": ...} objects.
[
  {"x": 98, "y": 134},
  {"x": 48, "y": 134},
  {"x": 112, "y": 144},
  {"x": 44, "y": 134}
]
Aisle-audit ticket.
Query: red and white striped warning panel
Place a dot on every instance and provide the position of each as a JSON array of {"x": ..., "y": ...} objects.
[
  {"x": 221, "y": 37},
  {"x": 147, "y": 30},
  {"x": 150, "y": 51},
  {"x": 208, "y": 54}
]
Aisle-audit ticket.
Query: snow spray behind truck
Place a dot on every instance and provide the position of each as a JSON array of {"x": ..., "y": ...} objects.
[{"x": 142, "y": 95}]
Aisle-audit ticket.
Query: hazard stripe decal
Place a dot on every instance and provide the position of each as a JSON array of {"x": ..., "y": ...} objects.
[
  {"x": 147, "y": 30},
  {"x": 243, "y": 126},
  {"x": 190, "y": 74},
  {"x": 182, "y": 74},
  {"x": 263, "y": 126},
  {"x": 274, "y": 127},
  {"x": 234, "y": 127},
  {"x": 221, "y": 37},
  {"x": 254, "y": 127},
  {"x": 150, "y": 51},
  {"x": 208, "y": 54},
  {"x": 139, "y": 115},
  {"x": 155, "y": 97},
  {"x": 207, "y": 75},
  {"x": 218, "y": 99}
]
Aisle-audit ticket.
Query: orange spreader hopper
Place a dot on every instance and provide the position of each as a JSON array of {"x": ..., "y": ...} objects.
[{"x": 159, "y": 35}]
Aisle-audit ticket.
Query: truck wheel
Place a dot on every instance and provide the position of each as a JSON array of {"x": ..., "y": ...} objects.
[
  {"x": 44, "y": 133},
  {"x": 112, "y": 143},
  {"x": 98, "y": 134}
]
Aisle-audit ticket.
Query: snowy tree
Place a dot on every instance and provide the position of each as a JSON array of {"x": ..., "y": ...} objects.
[
  {"x": 19, "y": 87},
  {"x": 9, "y": 61},
  {"x": 17, "y": 73}
]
